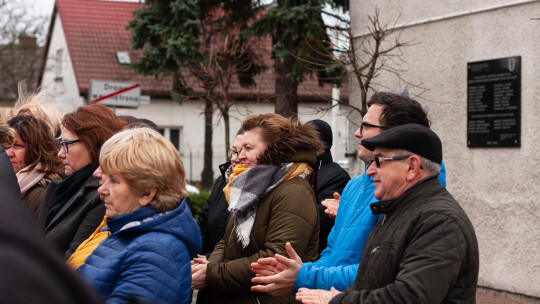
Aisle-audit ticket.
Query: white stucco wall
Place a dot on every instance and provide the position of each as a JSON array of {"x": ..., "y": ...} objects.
[
  {"x": 63, "y": 90},
  {"x": 498, "y": 187}
]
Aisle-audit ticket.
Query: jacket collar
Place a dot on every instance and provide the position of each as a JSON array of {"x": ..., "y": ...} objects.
[
  {"x": 326, "y": 157},
  {"x": 224, "y": 167},
  {"x": 130, "y": 220},
  {"x": 90, "y": 184},
  {"x": 416, "y": 191}
]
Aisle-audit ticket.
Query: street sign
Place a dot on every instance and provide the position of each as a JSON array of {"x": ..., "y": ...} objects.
[{"x": 116, "y": 94}]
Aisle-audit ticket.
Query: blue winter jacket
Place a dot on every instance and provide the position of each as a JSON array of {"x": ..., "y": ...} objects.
[
  {"x": 146, "y": 257},
  {"x": 338, "y": 264}
]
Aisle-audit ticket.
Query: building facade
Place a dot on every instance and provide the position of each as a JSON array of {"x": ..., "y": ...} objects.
[
  {"x": 497, "y": 186},
  {"x": 83, "y": 42}
]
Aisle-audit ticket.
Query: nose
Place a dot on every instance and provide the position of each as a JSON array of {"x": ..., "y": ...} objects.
[
  {"x": 242, "y": 156},
  {"x": 98, "y": 173},
  {"x": 61, "y": 153},
  {"x": 102, "y": 190},
  {"x": 358, "y": 133},
  {"x": 371, "y": 170},
  {"x": 10, "y": 153}
]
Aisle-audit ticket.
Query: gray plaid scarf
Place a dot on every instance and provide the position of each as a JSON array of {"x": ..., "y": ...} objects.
[{"x": 247, "y": 189}]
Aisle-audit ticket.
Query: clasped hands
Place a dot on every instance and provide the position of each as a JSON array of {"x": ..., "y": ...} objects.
[
  {"x": 198, "y": 272},
  {"x": 276, "y": 276}
]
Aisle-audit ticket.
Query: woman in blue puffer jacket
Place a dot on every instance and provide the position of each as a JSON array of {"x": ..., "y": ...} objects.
[{"x": 152, "y": 234}]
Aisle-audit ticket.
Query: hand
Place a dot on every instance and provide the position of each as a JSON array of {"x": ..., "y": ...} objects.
[
  {"x": 315, "y": 296},
  {"x": 200, "y": 259},
  {"x": 332, "y": 205},
  {"x": 198, "y": 278},
  {"x": 197, "y": 263},
  {"x": 277, "y": 274}
]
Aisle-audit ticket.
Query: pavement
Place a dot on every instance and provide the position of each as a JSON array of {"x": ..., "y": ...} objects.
[{"x": 482, "y": 298}]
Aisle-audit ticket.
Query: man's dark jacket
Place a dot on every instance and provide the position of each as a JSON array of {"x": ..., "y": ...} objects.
[
  {"x": 423, "y": 250},
  {"x": 214, "y": 215},
  {"x": 330, "y": 178},
  {"x": 212, "y": 221}
]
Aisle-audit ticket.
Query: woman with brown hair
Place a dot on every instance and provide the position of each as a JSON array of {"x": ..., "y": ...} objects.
[
  {"x": 271, "y": 204},
  {"x": 33, "y": 156},
  {"x": 71, "y": 209}
]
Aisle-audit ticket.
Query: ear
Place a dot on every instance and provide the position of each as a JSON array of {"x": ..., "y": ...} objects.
[
  {"x": 414, "y": 166},
  {"x": 145, "y": 199}
]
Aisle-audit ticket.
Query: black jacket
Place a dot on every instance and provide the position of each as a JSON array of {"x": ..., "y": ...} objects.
[
  {"x": 30, "y": 271},
  {"x": 423, "y": 250},
  {"x": 214, "y": 214},
  {"x": 77, "y": 218},
  {"x": 330, "y": 178},
  {"x": 212, "y": 221}
]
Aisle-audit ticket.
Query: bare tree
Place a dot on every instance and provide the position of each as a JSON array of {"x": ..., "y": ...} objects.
[
  {"x": 19, "y": 52},
  {"x": 365, "y": 58},
  {"x": 227, "y": 59}
]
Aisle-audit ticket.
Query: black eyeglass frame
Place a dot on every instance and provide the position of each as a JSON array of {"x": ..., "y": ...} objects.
[
  {"x": 231, "y": 152},
  {"x": 370, "y": 126},
  {"x": 65, "y": 144},
  {"x": 379, "y": 159}
]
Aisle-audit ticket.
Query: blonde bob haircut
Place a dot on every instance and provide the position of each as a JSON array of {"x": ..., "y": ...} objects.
[{"x": 146, "y": 160}]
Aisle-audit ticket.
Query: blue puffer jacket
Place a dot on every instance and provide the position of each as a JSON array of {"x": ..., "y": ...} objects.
[
  {"x": 146, "y": 257},
  {"x": 338, "y": 264}
]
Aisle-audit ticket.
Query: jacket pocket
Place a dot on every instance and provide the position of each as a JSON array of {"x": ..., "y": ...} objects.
[{"x": 385, "y": 247}]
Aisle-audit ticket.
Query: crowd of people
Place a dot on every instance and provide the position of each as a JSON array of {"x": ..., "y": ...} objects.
[{"x": 106, "y": 196}]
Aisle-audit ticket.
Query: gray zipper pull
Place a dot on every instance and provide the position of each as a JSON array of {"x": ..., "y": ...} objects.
[{"x": 383, "y": 219}]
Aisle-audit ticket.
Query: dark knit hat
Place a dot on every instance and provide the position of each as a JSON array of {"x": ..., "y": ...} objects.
[
  {"x": 325, "y": 131},
  {"x": 411, "y": 137}
]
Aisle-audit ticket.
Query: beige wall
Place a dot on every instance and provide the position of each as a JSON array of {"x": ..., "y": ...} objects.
[{"x": 498, "y": 187}]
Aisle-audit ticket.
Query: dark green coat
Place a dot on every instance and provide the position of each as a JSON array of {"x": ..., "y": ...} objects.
[{"x": 288, "y": 214}]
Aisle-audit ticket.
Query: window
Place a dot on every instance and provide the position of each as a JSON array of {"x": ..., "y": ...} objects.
[
  {"x": 123, "y": 57},
  {"x": 174, "y": 135}
]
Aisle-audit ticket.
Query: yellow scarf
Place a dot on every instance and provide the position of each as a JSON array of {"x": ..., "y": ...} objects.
[{"x": 297, "y": 169}]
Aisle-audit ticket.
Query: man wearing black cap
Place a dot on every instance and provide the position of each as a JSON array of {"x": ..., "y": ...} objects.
[
  {"x": 424, "y": 248},
  {"x": 338, "y": 264},
  {"x": 331, "y": 178}
]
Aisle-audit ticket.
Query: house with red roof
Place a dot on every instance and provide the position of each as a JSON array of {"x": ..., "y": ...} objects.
[{"x": 88, "y": 41}]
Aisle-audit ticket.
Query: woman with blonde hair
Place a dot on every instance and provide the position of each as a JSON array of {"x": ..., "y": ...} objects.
[
  {"x": 271, "y": 204},
  {"x": 152, "y": 234}
]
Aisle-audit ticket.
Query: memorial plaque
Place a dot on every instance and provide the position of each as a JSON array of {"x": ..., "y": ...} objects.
[{"x": 494, "y": 103}]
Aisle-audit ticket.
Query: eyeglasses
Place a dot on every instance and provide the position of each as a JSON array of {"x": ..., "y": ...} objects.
[
  {"x": 379, "y": 159},
  {"x": 370, "y": 126},
  {"x": 65, "y": 144},
  {"x": 232, "y": 152}
]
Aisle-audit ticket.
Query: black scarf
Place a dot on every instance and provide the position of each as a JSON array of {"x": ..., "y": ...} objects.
[{"x": 67, "y": 188}]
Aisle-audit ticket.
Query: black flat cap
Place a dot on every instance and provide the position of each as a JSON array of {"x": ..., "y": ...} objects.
[{"x": 411, "y": 137}]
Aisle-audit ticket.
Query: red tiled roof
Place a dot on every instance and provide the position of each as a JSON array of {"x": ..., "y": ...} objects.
[{"x": 96, "y": 30}]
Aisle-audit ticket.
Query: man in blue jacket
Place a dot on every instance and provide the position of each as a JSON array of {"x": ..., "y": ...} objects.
[{"x": 338, "y": 264}]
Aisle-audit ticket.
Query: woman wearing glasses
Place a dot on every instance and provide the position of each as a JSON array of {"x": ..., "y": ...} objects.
[
  {"x": 214, "y": 214},
  {"x": 271, "y": 204},
  {"x": 33, "y": 156},
  {"x": 71, "y": 210}
]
